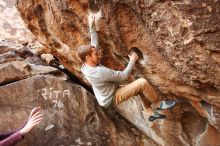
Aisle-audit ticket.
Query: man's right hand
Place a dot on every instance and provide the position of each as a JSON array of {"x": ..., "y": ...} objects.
[{"x": 133, "y": 56}]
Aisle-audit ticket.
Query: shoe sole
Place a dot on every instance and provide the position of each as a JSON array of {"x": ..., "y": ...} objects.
[
  {"x": 152, "y": 118},
  {"x": 168, "y": 108}
]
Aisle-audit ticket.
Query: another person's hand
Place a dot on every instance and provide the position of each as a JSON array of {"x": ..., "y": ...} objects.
[
  {"x": 34, "y": 119},
  {"x": 133, "y": 56}
]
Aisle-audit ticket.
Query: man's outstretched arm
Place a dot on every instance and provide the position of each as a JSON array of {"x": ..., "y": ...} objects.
[
  {"x": 93, "y": 19},
  {"x": 107, "y": 74}
]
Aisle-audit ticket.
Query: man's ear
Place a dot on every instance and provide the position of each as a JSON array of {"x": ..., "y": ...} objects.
[{"x": 86, "y": 58}]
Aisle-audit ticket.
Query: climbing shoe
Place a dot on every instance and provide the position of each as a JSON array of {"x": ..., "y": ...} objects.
[
  {"x": 167, "y": 104},
  {"x": 156, "y": 116}
]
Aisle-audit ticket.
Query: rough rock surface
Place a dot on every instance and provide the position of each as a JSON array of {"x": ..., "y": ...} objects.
[
  {"x": 11, "y": 24},
  {"x": 71, "y": 114},
  {"x": 179, "y": 37}
]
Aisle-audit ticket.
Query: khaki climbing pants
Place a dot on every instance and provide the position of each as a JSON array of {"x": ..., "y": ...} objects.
[{"x": 140, "y": 85}]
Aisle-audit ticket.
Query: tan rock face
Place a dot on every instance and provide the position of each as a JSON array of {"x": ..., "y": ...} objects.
[{"x": 180, "y": 39}]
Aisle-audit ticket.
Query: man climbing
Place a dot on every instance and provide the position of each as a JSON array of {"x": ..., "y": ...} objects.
[{"x": 105, "y": 81}]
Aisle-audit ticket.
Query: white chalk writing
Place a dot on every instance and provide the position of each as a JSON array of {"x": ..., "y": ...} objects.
[
  {"x": 57, "y": 103},
  {"x": 54, "y": 95}
]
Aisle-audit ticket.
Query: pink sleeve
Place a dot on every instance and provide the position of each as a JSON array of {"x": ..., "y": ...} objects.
[{"x": 12, "y": 140}]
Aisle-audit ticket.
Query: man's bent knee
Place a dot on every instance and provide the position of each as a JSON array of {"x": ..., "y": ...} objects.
[{"x": 143, "y": 82}]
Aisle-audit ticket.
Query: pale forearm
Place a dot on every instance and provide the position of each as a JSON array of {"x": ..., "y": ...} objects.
[
  {"x": 129, "y": 68},
  {"x": 94, "y": 39}
]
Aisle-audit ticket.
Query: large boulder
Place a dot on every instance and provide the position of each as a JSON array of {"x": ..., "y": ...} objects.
[
  {"x": 179, "y": 38},
  {"x": 71, "y": 116}
]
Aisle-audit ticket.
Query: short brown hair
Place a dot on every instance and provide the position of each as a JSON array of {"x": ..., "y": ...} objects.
[{"x": 83, "y": 51}]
